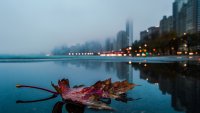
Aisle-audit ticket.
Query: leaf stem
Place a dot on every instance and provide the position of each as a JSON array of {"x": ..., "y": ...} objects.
[{"x": 34, "y": 87}]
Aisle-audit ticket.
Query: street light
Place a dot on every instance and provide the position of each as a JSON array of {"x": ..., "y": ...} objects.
[{"x": 185, "y": 45}]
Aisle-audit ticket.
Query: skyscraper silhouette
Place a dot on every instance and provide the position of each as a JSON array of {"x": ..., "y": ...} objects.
[{"x": 129, "y": 31}]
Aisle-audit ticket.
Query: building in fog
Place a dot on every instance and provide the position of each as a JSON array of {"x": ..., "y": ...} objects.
[
  {"x": 115, "y": 48},
  {"x": 166, "y": 25},
  {"x": 122, "y": 40},
  {"x": 129, "y": 31},
  {"x": 186, "y": 16},
  {"x": 109, "y": 44}
]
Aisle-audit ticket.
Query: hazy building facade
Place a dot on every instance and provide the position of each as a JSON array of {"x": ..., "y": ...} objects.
[
  {"x": 129, "y": 31},
  {"x": 109, "y": 44},
  {"x": 122, "y": 40}
]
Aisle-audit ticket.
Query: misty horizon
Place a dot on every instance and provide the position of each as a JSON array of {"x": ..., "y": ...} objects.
[{"x": 39, "y": 26}]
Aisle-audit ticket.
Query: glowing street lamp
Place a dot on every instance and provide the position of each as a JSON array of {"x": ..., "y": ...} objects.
[{"x": 185, "y": 45}]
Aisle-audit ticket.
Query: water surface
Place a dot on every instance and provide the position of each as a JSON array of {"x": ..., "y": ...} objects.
[{"x": 165, "y": 87}]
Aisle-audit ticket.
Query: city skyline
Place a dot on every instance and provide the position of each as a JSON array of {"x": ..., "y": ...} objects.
[
  {"x": 39, "y": 26},
  {"x": 185, "y": 19}
]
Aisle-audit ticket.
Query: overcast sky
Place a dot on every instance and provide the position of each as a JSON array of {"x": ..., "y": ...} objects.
[{"x": 34, "y": 26}]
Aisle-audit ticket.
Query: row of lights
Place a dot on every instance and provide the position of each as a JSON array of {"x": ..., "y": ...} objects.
[
  {"x": 190, "y": 53},
  {"x": 115, "y": 54},
  {"x": 78, "y": 54}
]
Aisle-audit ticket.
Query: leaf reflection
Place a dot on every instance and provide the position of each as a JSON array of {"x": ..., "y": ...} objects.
[{"x": 70, "y": 106}]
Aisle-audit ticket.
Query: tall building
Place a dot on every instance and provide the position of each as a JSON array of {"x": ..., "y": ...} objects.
[
  {"x": 109, "y": 44},
  {"x": 175, "y": 16},
  {"x": 129, "y": 31},
  {"x": 179, "y": 16},
  {"x": 193, "y": 16},
  {"x": 198, "y": 14},
  {"x": 115, "y": 47},
  {"x": 182, "y": 20},
  {"x": 122, "y": 40},
  {"x": 186, "y": 16}
]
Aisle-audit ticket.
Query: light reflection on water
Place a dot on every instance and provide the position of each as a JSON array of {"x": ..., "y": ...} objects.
[{"x": 165, "y": 88}]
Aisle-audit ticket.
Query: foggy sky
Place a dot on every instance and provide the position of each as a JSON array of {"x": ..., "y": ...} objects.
[{"x": 34, "y": 26}]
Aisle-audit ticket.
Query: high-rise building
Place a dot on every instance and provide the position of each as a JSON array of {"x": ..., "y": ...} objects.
[
  {"x": 193, "y": 16},
  {"x": 129, "y": 31},
  {"x": 186, "y": 16},
  {"x": 179, "y": 16},
  {"x": 125, "y": 38},
  {"x": 198, "y": 14},
  {"x": 109, "y": 44},
  {"x": 122, "y": 40},
  {"x": 175, "y": 16},
  {"x": 115, "y": 48},
  {"x": 182, "y": 20}
]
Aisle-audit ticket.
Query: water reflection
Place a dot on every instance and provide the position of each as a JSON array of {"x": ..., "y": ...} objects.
[
  {"x": 180, "y": 80},
  {"x": 124, "y": 70},
  {"x": 84, "y": 63},
  {"x": 70, "y": 107}
]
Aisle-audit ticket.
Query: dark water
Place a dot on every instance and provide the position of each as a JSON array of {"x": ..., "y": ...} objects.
[{"x": 165, "y": 87}]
